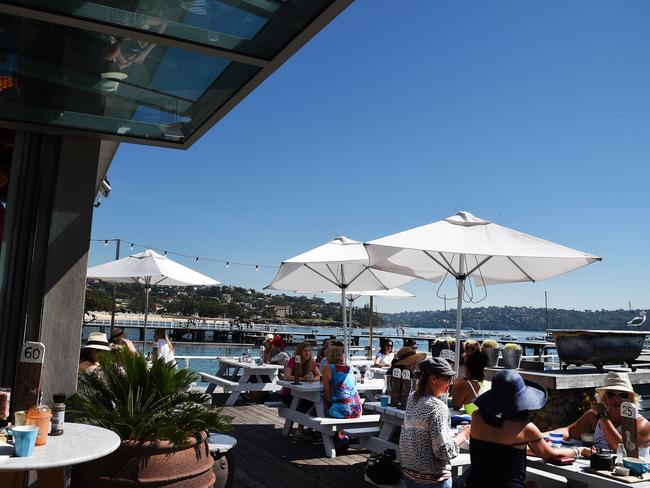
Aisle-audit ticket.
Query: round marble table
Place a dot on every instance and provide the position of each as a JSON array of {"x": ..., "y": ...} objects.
[{"x": 78, "y": 444}]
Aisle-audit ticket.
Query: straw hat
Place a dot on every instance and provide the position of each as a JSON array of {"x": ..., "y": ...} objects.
[
  {"x": 617, "y": 381},
  {"x": 97, "y": 340},
  {"x": 406, "y": 356}
]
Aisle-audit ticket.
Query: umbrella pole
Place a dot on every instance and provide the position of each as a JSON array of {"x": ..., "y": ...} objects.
[
  {"x": 345, "y": 330},
  {"x": 370, "y": 318},
  {"x": 147, "y": 289},
  {"x": 460, "y": 280}
]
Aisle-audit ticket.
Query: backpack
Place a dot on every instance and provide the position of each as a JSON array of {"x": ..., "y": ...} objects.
[{"x": 382, "y": 469}]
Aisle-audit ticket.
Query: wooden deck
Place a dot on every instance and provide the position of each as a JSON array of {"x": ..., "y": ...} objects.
[{"x": 264, "y": 458}]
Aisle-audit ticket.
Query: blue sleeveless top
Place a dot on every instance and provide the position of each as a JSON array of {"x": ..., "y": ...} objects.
[{"x": 346, "y": 402}]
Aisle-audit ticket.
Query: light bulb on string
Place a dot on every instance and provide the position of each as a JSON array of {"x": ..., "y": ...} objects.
[
  {"x": 106, "y": 242},
  {"x": 197, "y": 259},
  {"x": 227, "y": 264},
  {"x": 257, "y": 267},
  {"x": 165, "y": 253},
  {"x": 131, "y": 246}
]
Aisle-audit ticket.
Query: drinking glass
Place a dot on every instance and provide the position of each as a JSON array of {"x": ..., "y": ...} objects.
[{"x": 5, "y": 401}]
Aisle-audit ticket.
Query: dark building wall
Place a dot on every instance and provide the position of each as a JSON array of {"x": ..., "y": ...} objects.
[{"x": 44, "y": 254}]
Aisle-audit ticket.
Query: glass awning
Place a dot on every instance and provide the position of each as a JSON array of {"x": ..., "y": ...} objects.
[{"x": 154, "y": 71}]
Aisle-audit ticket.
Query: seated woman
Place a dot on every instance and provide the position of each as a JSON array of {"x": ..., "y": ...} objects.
[
  {"x": 407, "y": 358},
  {"x": 88, "y": 362},
  {"x": 276, "y": 353},
  {"x": 426, "y": 445},
  {"x": 604, "y": 418},
  {"x": 501, "y": 432},
  {"x": 385, "y": 355},
  {"x": 300, "y": 371},
  {"x": 466, "y": 389},
  {"x": 340, "y": 387}
]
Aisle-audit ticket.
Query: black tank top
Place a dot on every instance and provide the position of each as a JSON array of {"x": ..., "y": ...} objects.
[{"x": 496, "y": 465}]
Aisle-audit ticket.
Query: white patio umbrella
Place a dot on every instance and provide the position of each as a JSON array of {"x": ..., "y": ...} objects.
[
  {"x": 341, "y": 263},
  {"x": 352, "y": 297},
  {"x": 466, "y": 246},
  {"x": 150, "y": 269}
]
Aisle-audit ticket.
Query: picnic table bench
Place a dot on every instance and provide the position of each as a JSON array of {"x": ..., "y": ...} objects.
[
  {"x": 254, "y": 377},
  {"x": 316, "y": 418}
]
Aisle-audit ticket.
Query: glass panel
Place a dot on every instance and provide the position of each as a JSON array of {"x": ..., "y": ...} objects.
[
  {"x": 259, "y": 28},
  {"x": 55, "y": 75}
]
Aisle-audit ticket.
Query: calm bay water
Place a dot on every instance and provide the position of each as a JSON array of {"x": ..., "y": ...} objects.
[{"x": 210, "y": 366}]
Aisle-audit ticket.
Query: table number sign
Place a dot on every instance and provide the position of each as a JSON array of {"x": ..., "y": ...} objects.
[
  {"x": 395, "y": 386},
  {"x": 28, "y": 376},
  {"x": 405, "y": 388},
  {"x": 628, "y": 428}
]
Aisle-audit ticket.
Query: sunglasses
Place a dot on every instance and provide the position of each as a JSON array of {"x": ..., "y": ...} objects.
[{"x": 621, "y": 395}]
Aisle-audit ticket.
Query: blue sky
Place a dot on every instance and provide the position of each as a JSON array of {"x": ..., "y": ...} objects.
[{"x": 535, "y": 115}]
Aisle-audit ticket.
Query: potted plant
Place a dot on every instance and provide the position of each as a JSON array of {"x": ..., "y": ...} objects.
[
  {"x": 491, "y": 350},
  {"x": 163, "y": 426},
  {"x": 511, "y": 355}
]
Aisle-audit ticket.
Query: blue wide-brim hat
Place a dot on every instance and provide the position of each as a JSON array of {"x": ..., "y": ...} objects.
[{"x": 510, "y": 394}]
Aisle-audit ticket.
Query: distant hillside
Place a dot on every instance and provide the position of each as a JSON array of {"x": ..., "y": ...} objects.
[
  {"x": 511, "y": 318},
  {"x": 248, "y": 304},
  {"x": 222, "y": 301}
]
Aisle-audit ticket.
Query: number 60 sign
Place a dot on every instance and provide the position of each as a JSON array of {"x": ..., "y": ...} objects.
[{"x": 32, "y": 352}]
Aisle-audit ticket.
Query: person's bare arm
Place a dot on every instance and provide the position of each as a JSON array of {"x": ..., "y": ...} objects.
[
  {"x": 538, "y": 447},
  {"x": 288, "y": 374},
  {"x": 459, "y": 394},
  {"x": 316, "y": 372},
  {"x": 327, "y": 389},
  {"x": 642, "y": 432}
]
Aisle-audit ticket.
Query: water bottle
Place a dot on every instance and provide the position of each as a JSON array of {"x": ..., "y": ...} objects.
[
  {"x": 620, "y": 454},
  {"x": 262, "y": 350}
]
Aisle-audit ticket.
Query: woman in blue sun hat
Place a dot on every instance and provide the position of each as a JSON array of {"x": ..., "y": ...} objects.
[{"x": 501, "y": 432}]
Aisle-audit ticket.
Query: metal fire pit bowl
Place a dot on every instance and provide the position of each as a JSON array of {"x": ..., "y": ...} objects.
[{"x": 598, "y": 347}]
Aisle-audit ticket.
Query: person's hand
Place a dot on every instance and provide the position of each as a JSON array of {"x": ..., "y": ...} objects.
[
  {"x": 598, "y": 408},
  {"x": 586, "y": 452},
  {"x": 463, "y": 435}
]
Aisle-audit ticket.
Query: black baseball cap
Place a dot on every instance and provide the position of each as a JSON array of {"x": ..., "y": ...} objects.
[{"x": 437, "y": 366}]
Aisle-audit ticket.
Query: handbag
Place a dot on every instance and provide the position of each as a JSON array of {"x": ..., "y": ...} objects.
[{"x": 383, "y": 469}]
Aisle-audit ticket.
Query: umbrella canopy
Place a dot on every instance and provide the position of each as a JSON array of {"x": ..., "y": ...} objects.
[
  {"x": 148, "y": 268},
  {"x": 341, "y": 263},
  {"x": 466, "y": 246},
  {"x": 151, "y": 268}
]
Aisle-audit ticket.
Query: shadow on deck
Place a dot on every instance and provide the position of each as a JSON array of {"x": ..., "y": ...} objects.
[{"x": 264, "y": 458}]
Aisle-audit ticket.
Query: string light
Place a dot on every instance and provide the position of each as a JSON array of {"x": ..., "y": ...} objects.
[
  {"x": 227, "y": 263},
  {"x": 131, "y": 246}
]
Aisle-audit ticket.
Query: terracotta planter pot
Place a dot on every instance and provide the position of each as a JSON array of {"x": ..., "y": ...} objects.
[{"x": 150, "y": 464}]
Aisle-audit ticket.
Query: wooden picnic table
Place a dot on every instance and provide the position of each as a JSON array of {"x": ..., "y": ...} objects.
[
  {"x": 579, "y": 476},
  {"x": 390, "y": 423},
  {"x": 316, "y": 417},
  {"x": 239, "y": 377}
]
